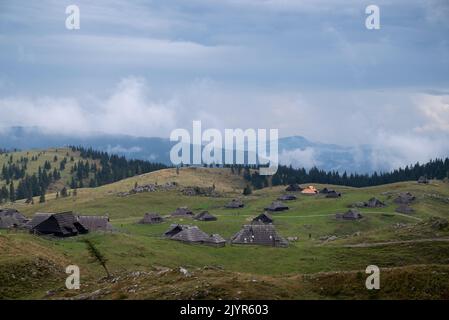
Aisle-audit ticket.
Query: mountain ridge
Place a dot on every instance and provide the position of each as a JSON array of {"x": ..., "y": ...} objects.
[{"x": 295, "y": 150}]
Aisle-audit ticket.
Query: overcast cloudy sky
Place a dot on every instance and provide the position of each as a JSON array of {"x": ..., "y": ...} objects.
[{"x": 306, "y": 67}]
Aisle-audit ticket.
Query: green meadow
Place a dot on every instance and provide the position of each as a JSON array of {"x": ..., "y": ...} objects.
[{"x": 136, "y": 247}]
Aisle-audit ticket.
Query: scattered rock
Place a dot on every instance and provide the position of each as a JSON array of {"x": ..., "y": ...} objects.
[
  {"x": 185, "y": 272},
  {"x": 328, "y": 238},
  {"x": 150, "y": 188},
  {"x": 437, "y": 197},
  {"x": 200, "y": 191},
  {"x": 399, "y": 225},
  {"x": 162, "y": 270}
]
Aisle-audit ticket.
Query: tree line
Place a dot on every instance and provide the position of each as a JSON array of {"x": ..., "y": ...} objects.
[
  {"x": 434, "y": 169},
  {"x": 111, "y": 168}
]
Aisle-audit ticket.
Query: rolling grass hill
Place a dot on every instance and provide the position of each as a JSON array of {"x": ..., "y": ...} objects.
[
  {"x": 298, "y": 271},
  {"x": 54, "y": 156}
]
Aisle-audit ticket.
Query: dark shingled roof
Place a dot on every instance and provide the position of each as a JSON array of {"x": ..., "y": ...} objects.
[
  {"x": 351, "y": 214},
  {"x": 174, "y": 229},
  {"x": 193, "y": 234},
  {"x": 374, "y": 203},
  {"x": 151, "y": 218},
  {"x": 182, "y": 211},
  {"x": 13, "y": 213},
  {"x": 11, "y": 218},
  {"x": 37, "y": 218},
  {"x": 234, "y": 204},
  {"x": 293, "y": 187},
  {"x": 287, "y": 197},
  {"x": 259, "y": 234},
  {"x": 333, "y": 194},
  {"x": 264, "y": 218},
  {"x": 7, "y": 222},
  {"x": 63, "y": 224},
  {"x": 95, "y": 223},
  {"x": 205, "y": 216},
  {"x": 217, "y": 239},
  {"x": 276, "y": 206}
]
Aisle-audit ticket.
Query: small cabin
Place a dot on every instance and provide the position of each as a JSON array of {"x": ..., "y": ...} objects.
[
  {"x": 259, "y": 234},
  {"x": 63, "y": 224},
  {"x": 205, "y": 216},
  {"x": 151, "y": 218},
  {"x": 182, "y": 212},
  {"x": 235, "y": 204},
  {"x": 276, "y": 206},
  {"x": 263, "y": 218}
]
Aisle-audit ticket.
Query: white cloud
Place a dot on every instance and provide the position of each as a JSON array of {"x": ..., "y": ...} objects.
[
  {"x": 127, "y": 111},
  {"x": 298, "y": 158},
  {"x": 54, "y": 114},
  {"x": 435, "y": 110},
  {"x": 130, "y": 110},
  {"x": 399, "y": 150}
]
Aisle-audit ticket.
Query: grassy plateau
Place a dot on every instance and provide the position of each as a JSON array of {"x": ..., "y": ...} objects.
[{"x": 412, "y": 254}]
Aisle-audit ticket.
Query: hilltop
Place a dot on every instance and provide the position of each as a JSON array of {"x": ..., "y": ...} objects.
[
  {"x": 26, "y": 174},
  {"x": 21, "y": 163}
]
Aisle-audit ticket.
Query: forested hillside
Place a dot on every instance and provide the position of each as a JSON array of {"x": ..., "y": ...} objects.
[{"x": 28, "y": 174}]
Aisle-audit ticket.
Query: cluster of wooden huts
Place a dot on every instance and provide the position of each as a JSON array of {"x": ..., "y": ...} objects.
[
  {"x": 64, "y": 224},
  {"x": 260, "y": 231},
  {"x": 312, "y": 190},
  {"x": 403, "y": 200}
]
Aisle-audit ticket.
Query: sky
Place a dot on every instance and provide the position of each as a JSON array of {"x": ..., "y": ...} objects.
[{"x": 305, "y": 67}]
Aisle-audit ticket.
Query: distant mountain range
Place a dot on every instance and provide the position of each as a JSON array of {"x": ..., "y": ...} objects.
[{"x": 295, "y": 150}]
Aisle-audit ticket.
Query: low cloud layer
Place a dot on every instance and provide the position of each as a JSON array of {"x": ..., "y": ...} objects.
[
  {"x": 399, "y": 127},
  {"x": 300, "y": 158},
  {"x": 128, "y": 110}
]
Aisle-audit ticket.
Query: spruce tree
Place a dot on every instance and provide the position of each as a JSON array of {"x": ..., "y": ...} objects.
[{"x": 12, "y": 193}]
